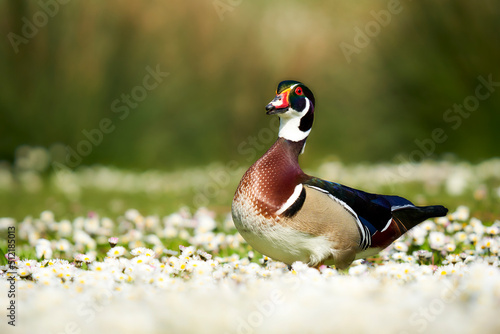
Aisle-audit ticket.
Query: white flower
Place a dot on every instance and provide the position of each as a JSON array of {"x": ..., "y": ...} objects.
[
  {"x": 493, "y": 230},
  {"x": 199, "y": 267},
  {"x": 473, "y": 237},
  {"x": 428, "y": 225},
  {"x": 460, "y": 237},
  {"x": 24, "y": 271},
  {"x": 436, "y": 240},
  {"x": 457, "y": 182},
  {"x": 43, "y": 251},
  {"x": 43, "y": 242},
  {"x": 98, "y": 266},
  {"x": 477, "y": 225},
  {"x": 151, "y": 222},
  {"x": 162, "y": 281},
  {"x": 443, "y": 271},
  {"x": 187, "y": 251},
  {"x": 65, "y": 228},
  {"x": 419, "y": 241},
  {"x": 423, "y": 254},
  {"x": 121, "y": 277},
  {"x": 487, "y": 243},
  {"x": 419, "y": 230},
  {"x": 450, "y": 247},
  {"x": 63, "y": 245},
  {"x": 112, "y": 241},
  {"x": 153, "y": 239},
  {"x": 91, "y": 225},
  {"x": 149, "y": 253},
  {"x": 469, "y": 259},
  {"x": 205, "y": 223},
  {"x": 138, "y": 251},
  {"x": 88, "y": 257},
  {"x": 170, "y": 232},
  {"x": 116, "y": 251},
  {"x": 82, "y": 238},
  {"x": 462, "y": 213},
  {"x": 132, "y": 215},
  {"x": 357, "y": 270},
  {"x": 446, "y": 270},
  {"x": 141, "y": 259},
  {"x": 400, "y": 246},
  {"x": 184, "y": 234},
  {"x": 443, "y": 221},
  {"x": 399, "y": 256},
  {"x": 409, "y": 259},
  {"x": 454, "y": 258},
  {"x": 28, "y": 263},
  {"x": 47, "y": 216},
  {"x": 107, "y": 223}
]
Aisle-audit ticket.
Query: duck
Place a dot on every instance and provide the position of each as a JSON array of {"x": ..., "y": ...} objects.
[{"x": 289, "y": 216}]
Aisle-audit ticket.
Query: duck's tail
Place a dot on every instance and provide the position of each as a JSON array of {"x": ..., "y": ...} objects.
[{"x": 414, "y": 215}]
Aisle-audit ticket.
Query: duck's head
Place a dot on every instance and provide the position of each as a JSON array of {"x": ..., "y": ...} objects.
[{"x": 294, "y": 104}]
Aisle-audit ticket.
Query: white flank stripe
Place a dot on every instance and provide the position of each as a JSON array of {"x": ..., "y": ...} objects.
[
  {"x": 344, "y": 204},
  {"x": 387, "y": 225},
  {"x": 291, "y": 199},
  {"x": 397, "y": 207}
]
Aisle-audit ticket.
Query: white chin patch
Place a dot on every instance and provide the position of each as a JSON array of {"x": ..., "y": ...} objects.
[{"x": 290, "y": 123}]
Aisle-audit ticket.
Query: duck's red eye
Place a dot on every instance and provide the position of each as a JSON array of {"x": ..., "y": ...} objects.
[{"x": 298, "y": 91}]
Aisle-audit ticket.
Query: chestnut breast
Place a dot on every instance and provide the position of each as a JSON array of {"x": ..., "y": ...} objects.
[{"x": 270, "y": 181}]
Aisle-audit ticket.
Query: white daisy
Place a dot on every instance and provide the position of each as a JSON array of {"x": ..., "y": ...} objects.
[
  {"x": 400, "y": 246},
  {"x": 116, "y": 251},
  {"x": 138, "y": 251},
  {"x": 141, "y": 259},
  {"x": 436, "y": 240},
  {"x": 24, "y": 271}
]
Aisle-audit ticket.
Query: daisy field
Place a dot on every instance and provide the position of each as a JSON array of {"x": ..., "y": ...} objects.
[{"x": 187, "y": 270}]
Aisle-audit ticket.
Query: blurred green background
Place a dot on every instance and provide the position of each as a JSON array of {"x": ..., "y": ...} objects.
[{"x": 64, "y": 65}]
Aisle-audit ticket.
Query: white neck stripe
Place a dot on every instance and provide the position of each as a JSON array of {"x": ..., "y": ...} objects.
[{"x": 290, "y": 124}]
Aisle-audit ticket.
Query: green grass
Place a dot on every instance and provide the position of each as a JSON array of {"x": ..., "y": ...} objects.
[{"x": 19, "y": 203}]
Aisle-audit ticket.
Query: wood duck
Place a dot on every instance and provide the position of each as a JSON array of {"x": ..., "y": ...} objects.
[{"x": 290, "y": 216}]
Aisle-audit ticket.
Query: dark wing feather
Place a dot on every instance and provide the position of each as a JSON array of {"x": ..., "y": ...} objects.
[{"x": 373, "y": 210}]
